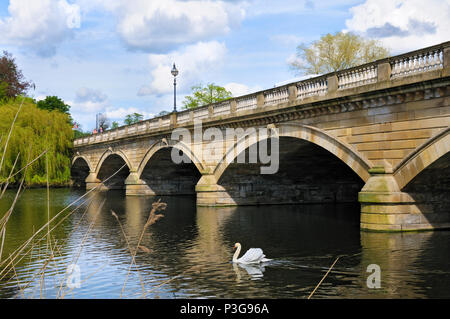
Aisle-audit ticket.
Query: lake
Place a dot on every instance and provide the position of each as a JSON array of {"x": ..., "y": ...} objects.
[{"x": 187, "y": 254}]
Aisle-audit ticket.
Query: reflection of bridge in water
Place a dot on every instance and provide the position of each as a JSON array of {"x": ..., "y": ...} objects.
[
  {"x": 377, "y": 134},
  {"x": 203, "y": 238}
]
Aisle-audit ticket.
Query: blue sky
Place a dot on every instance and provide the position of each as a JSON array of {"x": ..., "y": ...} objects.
[{"x": 115, "y": 56}]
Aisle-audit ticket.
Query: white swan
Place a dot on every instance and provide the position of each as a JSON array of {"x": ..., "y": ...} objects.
[{"x": 252, "y": 256}]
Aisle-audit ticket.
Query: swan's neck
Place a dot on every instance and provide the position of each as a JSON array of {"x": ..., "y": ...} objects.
[{"x": 236, "y": 253}]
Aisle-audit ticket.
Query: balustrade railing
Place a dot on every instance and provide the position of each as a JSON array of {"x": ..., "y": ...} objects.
[
  {"x": 311, "y": 87},
  {"x": 246, "y": 103},
  {"x": 222, "y": 108},
  {"x": 416, "y": 62},
  {"x": 201, "y": 113},
  {"x": 357, "y": 77},
  {"x": 183, "y": 117},
  {"x": 276, "y": 95}
]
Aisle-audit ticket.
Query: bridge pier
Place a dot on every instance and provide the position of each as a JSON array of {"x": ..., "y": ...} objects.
[
  {"x": 384, "y": 207},
  {"x": 92, "y": 181},
  {"x": 134, "y": 186},
  {"x": 209, "y": 193}
]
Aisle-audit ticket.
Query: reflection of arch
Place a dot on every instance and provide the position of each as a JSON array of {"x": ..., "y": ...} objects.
[
  {"x": 108, "y": 153},
  {"x": 422, "y": 157},
  {"x": 169, "y": 144},
  {"x": 356, "y": 161},
  {"x": 88, "y": 163}
]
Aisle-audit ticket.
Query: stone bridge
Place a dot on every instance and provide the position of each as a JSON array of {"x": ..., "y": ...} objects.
[{"x": 377, "y": 133}]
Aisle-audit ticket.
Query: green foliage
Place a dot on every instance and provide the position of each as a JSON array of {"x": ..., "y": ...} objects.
[
  {"x": 79, "y": 133},
  {"x": 204, "y": 95},
  {"x": 35, "y": 131},
  {"x": 162, "y": 113},
  {"x": 133, "y": 118},
  {"x": 114, "y": 125},
  {"x": 334, "y": 52},
  {"x": 51, "y": 103}
]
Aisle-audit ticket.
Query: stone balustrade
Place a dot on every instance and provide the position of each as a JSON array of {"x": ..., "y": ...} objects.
[
  {"x": 393, "y": 68},
  {"x": 417, "y": 62},
  {"x": 247, "y": 102},
  {"x": 276, "y": 95},
  {"x": 313, "y": 87},
  {"x": 357, "y": 77}
]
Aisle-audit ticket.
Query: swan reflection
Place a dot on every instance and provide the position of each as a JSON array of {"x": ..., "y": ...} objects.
[{"x": 255, "y": 271}]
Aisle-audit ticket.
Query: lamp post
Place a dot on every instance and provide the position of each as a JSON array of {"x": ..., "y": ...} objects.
[{"x": 174, "y": 73}]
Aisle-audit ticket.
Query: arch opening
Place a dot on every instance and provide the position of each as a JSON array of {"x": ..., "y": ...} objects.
[
  {"x": 164, "y": 177},
  {"x": 79, "y": 172},
  {"x": 307, "y": 174},
  {"x": 109, "y": 167},
  {"x": 429, "y": 189}
]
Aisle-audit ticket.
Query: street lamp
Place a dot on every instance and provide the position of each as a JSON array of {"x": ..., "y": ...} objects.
[{"x": 174, "y": 73}]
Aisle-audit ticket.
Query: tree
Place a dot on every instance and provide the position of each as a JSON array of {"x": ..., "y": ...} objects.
[
  {"x": 45, "y": 131},
  {"x": 133, "y": 118},
  {"x": 334, "y": 52},
  {"x": 114, "y": 125},
  {"x": 203, "y": 95},
  {"x": 52, "y": 103},
  {"x": 12, "y": 81},
  {"x": 162, "y": 113}
]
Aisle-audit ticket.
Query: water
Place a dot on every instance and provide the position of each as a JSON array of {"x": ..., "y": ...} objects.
[{"x": 191, "y": 250}]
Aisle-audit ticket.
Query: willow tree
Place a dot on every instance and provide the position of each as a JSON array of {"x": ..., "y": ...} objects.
[
  {"x": 334, "y": 52},
  {"x": 35, "y": 131}
]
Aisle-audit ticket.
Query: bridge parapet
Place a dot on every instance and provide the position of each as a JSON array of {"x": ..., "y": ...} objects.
[{"x": 411, "y": 67}]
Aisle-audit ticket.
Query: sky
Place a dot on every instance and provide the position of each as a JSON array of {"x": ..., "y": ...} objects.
[{"x": 115, "y": 56}]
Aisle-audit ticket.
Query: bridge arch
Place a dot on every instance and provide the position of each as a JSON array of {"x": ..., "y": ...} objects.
[
  {"x": 86, "y": 160},
  {"x": 109, "y": 168},
  {"x": 79, "y": 171},
  {"x": 162, "y": 176},
  {"x": 353, "y": 159},
  {"x": 313, "y": 167},
  {"x": 110, "y": 152},
  {"x": 422, "y": 157},
  {"x": 169, "y": 144}
]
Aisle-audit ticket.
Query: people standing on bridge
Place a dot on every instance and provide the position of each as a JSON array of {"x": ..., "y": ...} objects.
[
  {"x": 95, "y": 131},
  {"x": 101, "y": 129}
]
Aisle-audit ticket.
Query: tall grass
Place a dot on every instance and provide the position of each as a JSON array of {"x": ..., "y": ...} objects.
[{"x": 27, "y": 134}]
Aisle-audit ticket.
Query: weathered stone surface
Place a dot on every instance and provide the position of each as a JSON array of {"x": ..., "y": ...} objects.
[{"x": 387, "y": 131}]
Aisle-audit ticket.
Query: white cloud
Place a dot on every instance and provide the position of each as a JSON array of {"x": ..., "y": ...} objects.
[
  {"x": 40, "y": 25},
  {"x": 121, "y": 113},
  {"x": 90, "y": 95},
  {"x": 239, "y": 89},
  {"x": 287, "y": 40},
  {"x": 193, "y": 63},
  {"x": 402, "y": 25},
  {"x": 159, "y": 26}
]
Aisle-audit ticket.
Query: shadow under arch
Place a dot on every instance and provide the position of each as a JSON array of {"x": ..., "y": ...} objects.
[
  {"x": 352, "y": 158},
  {"x": 110, "y": 164},
  {"x": 109, "y": 152},
  {"x": 422, "y": 157},
  {"x": 169, "y": 143},
  {"x": 308, "y": 173},
  {"x": 79, "y": 171},
  {"x": 163, "y": 176}
]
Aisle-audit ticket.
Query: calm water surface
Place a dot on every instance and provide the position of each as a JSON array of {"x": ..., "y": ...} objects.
[{"x": 191, "y": 250}]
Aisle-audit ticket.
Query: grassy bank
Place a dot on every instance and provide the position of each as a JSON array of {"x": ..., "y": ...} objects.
[{"x": 34, "y": 132}]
